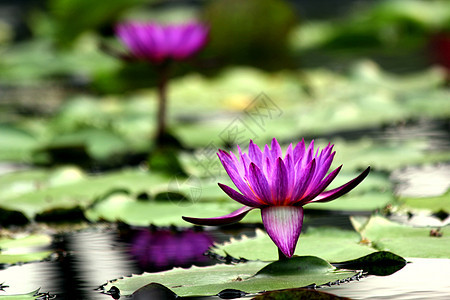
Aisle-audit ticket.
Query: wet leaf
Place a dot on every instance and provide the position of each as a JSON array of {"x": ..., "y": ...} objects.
[
  {"x": 330, "y": 243},
  {"x": 163, "y": 212},
  {"x": 33, "y": 194},
  {"x": 405, "y": 240},
  {"x": 24, "y": 249},
  {"x": 243, "y": 276},
  {"x": 380, "y": 263},
  {"x": 435, "y": 204}
]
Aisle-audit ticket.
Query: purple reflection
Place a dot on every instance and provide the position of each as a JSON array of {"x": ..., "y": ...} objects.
[{"x": 162, "y": 249}]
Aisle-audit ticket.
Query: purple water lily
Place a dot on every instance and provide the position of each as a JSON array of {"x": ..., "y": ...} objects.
[
  {"x": 157, "y": 43},
  {"x": 160, "y": 45},
  {"x": 280, "y": 187}
]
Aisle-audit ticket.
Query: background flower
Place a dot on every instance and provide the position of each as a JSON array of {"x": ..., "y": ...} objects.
[{"x": 157, "y": 43}]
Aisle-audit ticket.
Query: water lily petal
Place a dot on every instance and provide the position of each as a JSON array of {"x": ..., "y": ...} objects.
[
  {"x": 342, "y": 190},
  {"x": 322, "y": 169},
  {"x": 283, "y": 224},
  {"x": 299, "y": 151},
  {"x": 232, "y": 170},
  {"x": 275, "y": 150},
  {"x": 255, "y": 153},
  {"x": 231, "y": 218},
  {"x": 279, "y": 182},
  {"x": 316, "y": 190},
  {"x": 239, "y": 197},
  {"x": 259, "y": 184},
  {"x": 302, "y": 182}
]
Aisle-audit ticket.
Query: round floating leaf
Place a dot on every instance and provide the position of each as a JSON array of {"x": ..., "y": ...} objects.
[
  {"x": 66, "y": 190},
  {"x": 356, "y": 202},
  {"x": 30, "y": 296},
  {"x": 329, "y": 243},
  {"x": 245, "y": 277},
  {"x": 405, "y": 240},
  {"x": 435, "y": 204},
  {"x": 164, "y": 212},
  {"x": 24, "y": 249}
]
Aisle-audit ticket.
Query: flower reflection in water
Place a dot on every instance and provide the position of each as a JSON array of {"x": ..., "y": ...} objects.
[{"x": 165, "y": 248}]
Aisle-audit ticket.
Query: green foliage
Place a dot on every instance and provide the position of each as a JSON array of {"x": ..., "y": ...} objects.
[
  {"x": 329, "y": 243},
  {"x": 259, "y": 30},
  {"x": 248, "y": 277},
  {"x": 35, "y": 295},
  {"x": 24, "y": 249},
  {"x": 89, "y": 15},
  {"x": 405, "y": 240}
]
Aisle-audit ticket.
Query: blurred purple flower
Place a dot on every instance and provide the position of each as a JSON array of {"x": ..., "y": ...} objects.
[
  {"x": 158, "y": 43},
  {"x": 280, "y": 187},
  {"x": 162, "y": 249}
]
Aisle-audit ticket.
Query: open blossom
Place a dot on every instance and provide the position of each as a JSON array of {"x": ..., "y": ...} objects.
[
  {"x": 157, "y": 43},
  {"x": 280, "y": 186}
]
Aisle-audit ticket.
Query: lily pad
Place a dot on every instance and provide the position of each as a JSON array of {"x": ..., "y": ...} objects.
[
  {"x": 164, "y": 212},
  {"x": 330, "y": 243},
  {"x": 71, "y": 189},
  {"x": 379, "y": 263},
  {"x": 250, "y": 277},
  {"x": 405, "y": 240},
  {"x": 435, "y": 204},
  {"x": 30, "y": 296},
  {"x": 24, "y": 249}
]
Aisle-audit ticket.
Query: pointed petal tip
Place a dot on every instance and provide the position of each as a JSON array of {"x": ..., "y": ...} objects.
[
  {"x": 342, "y": 190},
  {"x": 231, "y": 218}
]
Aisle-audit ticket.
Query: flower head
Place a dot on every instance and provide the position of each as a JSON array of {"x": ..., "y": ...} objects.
[
  {"x": 280, "y": 186},
  {"x": 157, "y": 43}
]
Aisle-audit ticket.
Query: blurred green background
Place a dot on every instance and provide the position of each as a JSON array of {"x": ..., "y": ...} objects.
[{"x": 77, "y": 124}]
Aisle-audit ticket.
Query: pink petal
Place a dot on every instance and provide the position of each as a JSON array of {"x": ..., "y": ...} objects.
[
  {"x": 233, "y": 217},
  {"x": 283, "y": 224},
  {"x": 259, "y": 184},
  {"x": 303, "y": 180},
  {"x": 239, "y": 197},
  {"x": 342, "y": 190},
  {"x": 299, "y": 151},
  {"x": 279, "y": 182},
  {"x": 314, "y": 191}
]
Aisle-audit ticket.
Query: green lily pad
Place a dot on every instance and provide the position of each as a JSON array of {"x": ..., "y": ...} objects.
[
  {"x": 164, "y": 212},
  {"x": 24, "y": 249},
  {"x": 70, "y": 188},
  {"x": 17, "y": 143},
  {"x": 356, "y": 202},
  {"x": 405, "y": 240},
  {"x": 250, "y": 277},
  {"x": 330, "y": 243},
  {"x": 381, "y": 263},
  {"x": 29, "y": 296},
  {"x": 435, "y": 204}
]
